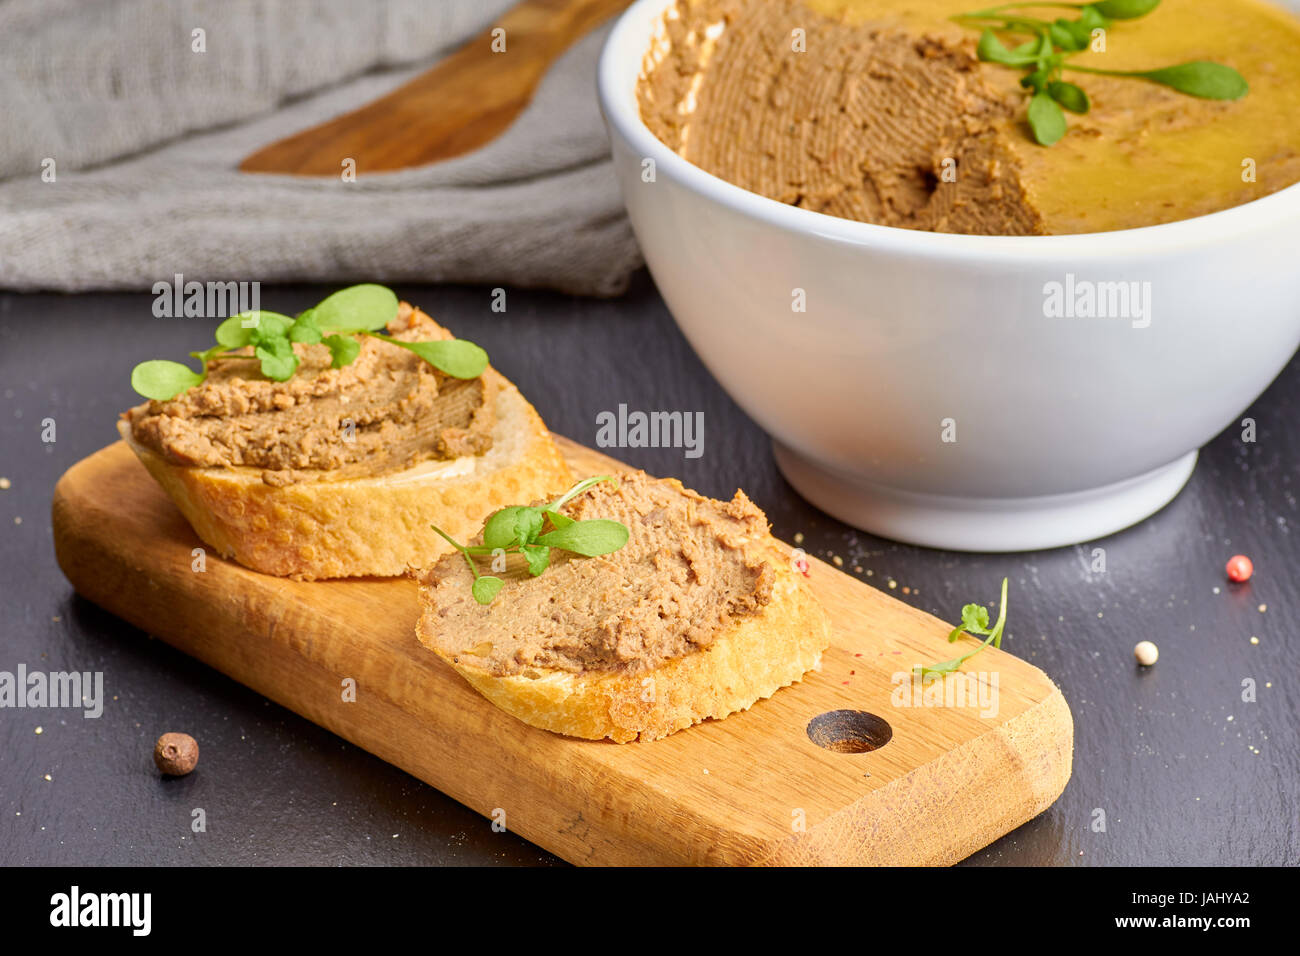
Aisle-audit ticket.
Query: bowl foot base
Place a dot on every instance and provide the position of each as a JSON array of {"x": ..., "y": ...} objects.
[{"x": 985, "y": 524}]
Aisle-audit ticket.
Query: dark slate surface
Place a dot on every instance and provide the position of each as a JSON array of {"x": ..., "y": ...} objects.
[{"x": 1185, "y": 771}]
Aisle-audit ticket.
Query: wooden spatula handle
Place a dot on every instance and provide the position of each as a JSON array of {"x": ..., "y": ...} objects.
[{"x": 460, "y": 104}]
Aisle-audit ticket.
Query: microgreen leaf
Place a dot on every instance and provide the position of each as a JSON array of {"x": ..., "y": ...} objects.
[
  {"x": 233, "y": 334},
  {"x": 590, "y": 538},
  {"x": 940, "y": 668},
  {"x": 530, "y": 524},
  {"x": 1069, "y": 96},
  {"x": 207, "y": 355},
  {"x": 1082, "y": 32},
  {"x": 500, "y": 530},
  {"x": 1125, "y": 9},
  {"x": 163, "y": 380},
  {"x": 1063, "y": 35},
  {"x": 1211, "y": 81},
  {"x": 578, "y": 489},
  {"x": 557, "y": 520},
  {"x": 512, "y": 527},
  {"x": 1036, "y": 80},
  {"x": 1090, "y": 19},
  {"x": 278, "y": 359},
  {"x": 538, "y": 557},
  {"x": 485, "y": 588},
  {"x": 1044, "y": 49},
  {"x": 457, "y": 357},
  {"x": 305, "y": 330},
  {"x": 344, "y": 349},
  {"x": 265, "y": 325},
  {"x": 244, "y": 328},
  {"x": 975, "y": 619},
  {"x": 1046, "y": 119},
  {"x": 358, "y": 308},
  {"x": 992, "y": 50}
]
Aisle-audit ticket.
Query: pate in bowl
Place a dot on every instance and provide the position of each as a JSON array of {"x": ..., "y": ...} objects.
[{"x": 804, "y": 179}]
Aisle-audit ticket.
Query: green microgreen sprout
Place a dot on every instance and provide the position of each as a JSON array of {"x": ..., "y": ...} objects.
[
  {"x": 522, "y": 529},
  {"x": 974, "y": 620},
  {"x": 336, "y": 322},
  {"x": 1051, "y": 44}
]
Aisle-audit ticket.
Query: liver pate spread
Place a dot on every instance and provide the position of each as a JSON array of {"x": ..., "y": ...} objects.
[
  {"x": 691, "y": 566},
  {"x": 857, "y": 126},
  {"x": 384, "y": 412},
  {"x": 879, "y": 111}
]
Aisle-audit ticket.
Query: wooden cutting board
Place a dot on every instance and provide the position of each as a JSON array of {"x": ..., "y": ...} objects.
[{"x": 751, "y": 789}]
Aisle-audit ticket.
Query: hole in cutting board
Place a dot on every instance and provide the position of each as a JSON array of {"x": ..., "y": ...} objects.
[{"x": 849, "y": 731}]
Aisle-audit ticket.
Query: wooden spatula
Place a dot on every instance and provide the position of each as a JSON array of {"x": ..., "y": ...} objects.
[{"x": 462, "y": 103}]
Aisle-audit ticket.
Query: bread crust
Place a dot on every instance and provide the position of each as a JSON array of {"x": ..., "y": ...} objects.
[
  {"x": 752, "y": 658},
  {"x": 377, "y": 525}
]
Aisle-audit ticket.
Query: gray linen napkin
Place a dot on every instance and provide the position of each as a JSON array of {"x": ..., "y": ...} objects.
[{"x": 146, "y": 134}]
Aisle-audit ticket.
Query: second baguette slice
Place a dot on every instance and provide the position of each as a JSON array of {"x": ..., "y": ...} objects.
[{"x": 699, "y": 615}]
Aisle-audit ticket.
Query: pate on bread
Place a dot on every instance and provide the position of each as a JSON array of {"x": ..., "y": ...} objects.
[
  {"x": 339, "y": 472},
  {"x": 697, "y": 616}
]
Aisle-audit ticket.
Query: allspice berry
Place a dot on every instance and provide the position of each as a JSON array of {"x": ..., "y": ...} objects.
[{"x": 176, "y": 754}]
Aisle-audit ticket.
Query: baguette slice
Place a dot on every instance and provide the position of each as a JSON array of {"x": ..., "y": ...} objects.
[
  {"x": 376, "y": 525},
  {"x": 750, "y": 657}
]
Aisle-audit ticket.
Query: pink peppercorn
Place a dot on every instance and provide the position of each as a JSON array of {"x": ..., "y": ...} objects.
[{"x": 1239, "y": 568}]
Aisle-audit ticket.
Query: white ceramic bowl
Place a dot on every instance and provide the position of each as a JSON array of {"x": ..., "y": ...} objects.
[{"x": 1066, "y": 429}]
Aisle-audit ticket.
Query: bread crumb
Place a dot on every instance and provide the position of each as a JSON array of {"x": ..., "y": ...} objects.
[
  {"x": 40, "y": 730},
  {"x": 1146, "y": 653},
  {"x": 5, "y": 484},
  {"x": 839, "y": 562},
  {"x": 798, "y": 537},
  {"x": 1254, "y": 639}
]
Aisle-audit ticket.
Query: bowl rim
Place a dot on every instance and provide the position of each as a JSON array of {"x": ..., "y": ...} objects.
[{"x": 617, "y": 73}]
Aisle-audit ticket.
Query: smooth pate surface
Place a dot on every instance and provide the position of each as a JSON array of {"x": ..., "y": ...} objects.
[{"x": 690, "y": 567}]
